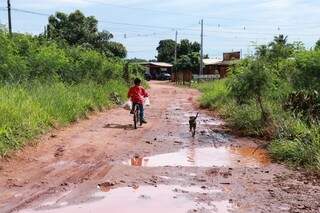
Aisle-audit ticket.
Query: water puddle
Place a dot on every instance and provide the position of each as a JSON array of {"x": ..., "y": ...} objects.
[
  {"x": 145, "y": 199},
  {"x": 206, "y": 157}
]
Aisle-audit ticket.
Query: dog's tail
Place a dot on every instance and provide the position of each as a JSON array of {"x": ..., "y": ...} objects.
[{"x": 197, "y": 115}]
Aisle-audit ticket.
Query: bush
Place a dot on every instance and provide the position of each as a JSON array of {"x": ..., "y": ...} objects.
[
  {"x": 13, "y": 68},
  {"x": 28, "y": 110},
  {"x": 49, "y": 62},
  {"x": 47, "y": 83},
  {"x": 303, "y": 150},
  {"x": 286, "y": 93},
  {"x": 307, "y": 72},
  {"x": 25, "y": 58}
]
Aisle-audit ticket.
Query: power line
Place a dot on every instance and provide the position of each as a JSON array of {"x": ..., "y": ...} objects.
[
  {"x": 196, "y": 15},
  {"x": 166, "y": 27},
  {"x": 191, "y": 14},
  {"x": 30, "y": 12}
]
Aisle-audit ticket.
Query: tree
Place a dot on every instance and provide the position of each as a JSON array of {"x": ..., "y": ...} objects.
[
  {"x": 262, "y": 51},
  {"x": 280, "y": 40},
  {"x": 307, "y": 71},
  {"x": 166, "y": 51},
  {"x": 189, "y": 62},
  {"x": 317, "y": 47},
  {"x": 114, "y": 49},
  {"x": 279, "y": 48},
  {"x": 77, "y": 29},
  {"x": 186, "y": 47},
  {"x": 74, "y": 28},
  {"x": 184, "y": 63},
  {"x": 252, "y": 82}
]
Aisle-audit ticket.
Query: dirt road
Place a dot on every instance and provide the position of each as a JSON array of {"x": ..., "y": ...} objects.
[{"x": 103, "y": 165}]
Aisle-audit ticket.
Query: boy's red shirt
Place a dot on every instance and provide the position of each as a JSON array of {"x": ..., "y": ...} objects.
[{"x": 137, "y": 94}]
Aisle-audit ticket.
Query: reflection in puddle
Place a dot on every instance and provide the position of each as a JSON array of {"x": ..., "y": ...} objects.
[
  {"x": 207, "y": 157},
  {"x": 146, "y": 199},
  {"x": 258, "y": 155}
]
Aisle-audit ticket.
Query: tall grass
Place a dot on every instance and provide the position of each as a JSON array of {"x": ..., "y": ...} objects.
[
  {"x": 29, "y": 110},
  {"x": 291, "y": 139},
  {"x": 44, "y": 83},
  {"x": 214, "y": 94},
  {"x": 304, "y": 150}
]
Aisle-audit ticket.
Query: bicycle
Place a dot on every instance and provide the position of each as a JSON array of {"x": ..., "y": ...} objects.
[{"x": 136, "y": 116}]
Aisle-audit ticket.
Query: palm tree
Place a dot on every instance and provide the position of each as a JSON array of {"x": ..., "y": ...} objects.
[{"x": 280, "y": 40}]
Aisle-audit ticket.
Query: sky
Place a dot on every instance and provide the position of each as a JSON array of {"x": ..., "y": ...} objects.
[{"x": 229, "y": 25}]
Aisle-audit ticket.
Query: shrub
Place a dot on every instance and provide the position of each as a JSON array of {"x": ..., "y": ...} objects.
[
  {"x": 30, "y": 109},
  {"x": 303, "y": 150},
  {"x": 278, "y": 100},
  {"x": 47, "y": 83}
]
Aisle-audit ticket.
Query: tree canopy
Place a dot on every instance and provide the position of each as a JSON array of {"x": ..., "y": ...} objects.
[
  {"x": 279, "y": 49},
  {"x": 186, "y": 47},
  {"x": 189, "y": 62},
  {"x": 166, "y": 49},
  {"x": 78, "y": 30},
  {"x": 188, "y": 56}
]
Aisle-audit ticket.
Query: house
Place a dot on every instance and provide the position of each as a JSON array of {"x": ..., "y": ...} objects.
[
  {"x": 156, "y": 68},
  {"x": 211, "y": 66},
  {"x": 220, "y": 66}
]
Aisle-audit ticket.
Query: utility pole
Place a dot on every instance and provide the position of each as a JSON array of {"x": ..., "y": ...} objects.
[
  {"x": 175, "y": 57},
  {"x": 9, "y": 17},
  {"x": 176, "y": 49},
  {"x": 201, "y": 53}
]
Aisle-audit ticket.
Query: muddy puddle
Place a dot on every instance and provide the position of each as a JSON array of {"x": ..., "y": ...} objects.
[
  {"x": 206, "y": 157},
  {"x": 163, "y": 198}
]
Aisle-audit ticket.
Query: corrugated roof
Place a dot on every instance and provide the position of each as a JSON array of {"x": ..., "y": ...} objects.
[
  {"x": 160, "y": 64},
  {"x": 211, "y": 61}
]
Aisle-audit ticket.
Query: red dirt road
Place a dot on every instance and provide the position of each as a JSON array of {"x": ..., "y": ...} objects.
[{"x": 103, "y": 165}]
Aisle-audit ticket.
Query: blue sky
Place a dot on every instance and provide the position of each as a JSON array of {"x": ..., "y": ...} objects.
[{"x": 229, "y": 24}]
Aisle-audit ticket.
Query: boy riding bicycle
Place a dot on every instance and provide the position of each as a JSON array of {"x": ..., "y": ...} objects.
[{"x": 137, "y": 94}]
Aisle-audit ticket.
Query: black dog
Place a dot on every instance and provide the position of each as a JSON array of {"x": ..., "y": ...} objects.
[{"x": 193, "y": 124}]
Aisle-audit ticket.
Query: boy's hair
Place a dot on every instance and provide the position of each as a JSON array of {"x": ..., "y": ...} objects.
[{"x": 137, "y": 81}]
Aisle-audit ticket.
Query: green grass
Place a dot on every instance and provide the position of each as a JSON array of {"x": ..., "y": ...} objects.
[
  {"x": 215, "y": 94},
  {"x": 30, "y": 110},
  {"x": 300, "y": 151},
  {"x": 292, "y": 140}
]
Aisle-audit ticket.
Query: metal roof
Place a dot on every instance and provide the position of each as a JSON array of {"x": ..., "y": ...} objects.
[
  {"x": 211, "y": 61},
  {"x": 159, "y": 64}
]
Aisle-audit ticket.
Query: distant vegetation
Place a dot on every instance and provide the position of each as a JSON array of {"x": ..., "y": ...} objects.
[
  {"x": 188, "y": 54},
  {"x": 56, "y": 78},
  {"x": 274, "y": 95}
]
